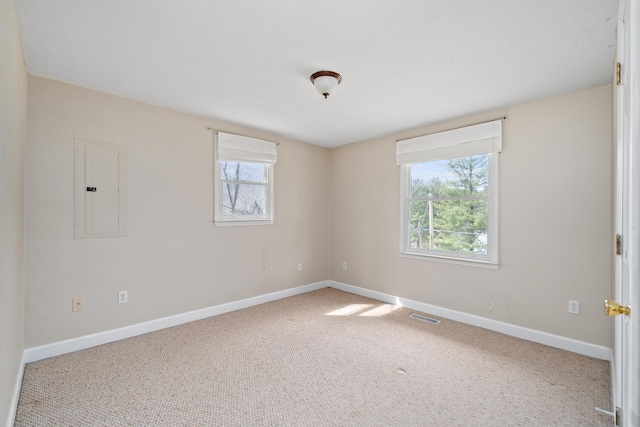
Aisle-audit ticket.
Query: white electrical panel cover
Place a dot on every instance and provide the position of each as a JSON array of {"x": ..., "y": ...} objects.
[{"x": 100, "y": 189}]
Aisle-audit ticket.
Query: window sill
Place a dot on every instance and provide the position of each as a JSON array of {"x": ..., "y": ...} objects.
[
  {"x": 240, "y": 223},
  {"x": 450, "y": 260}
]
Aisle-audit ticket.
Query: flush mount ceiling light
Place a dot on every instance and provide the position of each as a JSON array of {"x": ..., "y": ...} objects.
[{"x": 325, "y": 81}]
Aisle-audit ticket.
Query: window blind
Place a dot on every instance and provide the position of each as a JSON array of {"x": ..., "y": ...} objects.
[
  {"x": 467, "y": 141},
  {"x": 245, "y": 149}
]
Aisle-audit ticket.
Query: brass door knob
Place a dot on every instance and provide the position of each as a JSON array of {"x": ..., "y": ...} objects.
[{"x": 612, "y": 308}]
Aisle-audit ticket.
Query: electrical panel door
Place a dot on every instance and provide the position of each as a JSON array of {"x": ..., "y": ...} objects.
[{"x": 100, "y": 191}]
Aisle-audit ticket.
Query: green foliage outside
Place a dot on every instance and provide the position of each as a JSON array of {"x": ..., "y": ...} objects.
[{"x": 451, "y": 215}]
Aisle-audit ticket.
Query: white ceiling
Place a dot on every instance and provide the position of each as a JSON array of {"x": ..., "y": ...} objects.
[{"x": 405, "y": 63}]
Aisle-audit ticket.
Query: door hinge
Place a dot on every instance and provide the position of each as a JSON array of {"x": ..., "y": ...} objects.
[
  {"x": 617, "y": 416},
  {"x": 618, "y": 244},
  {"x": 618, "y": 73}
]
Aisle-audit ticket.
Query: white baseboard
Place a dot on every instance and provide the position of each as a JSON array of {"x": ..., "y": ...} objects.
[
  {"x": 16, "y": 394},
  {"x": 557, "y": 341},
  {"x": 87, "y": 341}
]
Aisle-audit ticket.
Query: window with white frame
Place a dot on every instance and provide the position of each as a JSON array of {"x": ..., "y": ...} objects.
[
  {"x": 449, "y": 202},
  {"x": 243, "y": 176}
]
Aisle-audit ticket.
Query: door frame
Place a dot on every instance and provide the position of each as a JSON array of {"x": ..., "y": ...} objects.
[{"x": 626, "y": 336}]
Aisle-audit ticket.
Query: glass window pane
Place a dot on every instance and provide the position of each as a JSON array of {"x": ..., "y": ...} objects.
[
  {"x": 449, "y": 225},
  {"x": 419, "y": 225},
  {"x": 243, "y": 199},
  {"x": 242, "y": 171},
  {"x": 464, "y": 176},
  {"x": 461, "y": 226}
]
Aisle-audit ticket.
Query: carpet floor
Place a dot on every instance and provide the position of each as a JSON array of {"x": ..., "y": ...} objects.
[{"x": 325, "y": 358}]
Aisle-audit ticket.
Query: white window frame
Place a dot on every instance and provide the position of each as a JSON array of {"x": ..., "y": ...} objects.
[
  {"x": 485, "y": 138},
  {"x": 237, "y": 148}
]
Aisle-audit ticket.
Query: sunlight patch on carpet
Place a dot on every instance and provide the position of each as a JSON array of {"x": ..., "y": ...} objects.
[
  {"x": 380, "y": 311},
  {"x": 349, "y": 309}
]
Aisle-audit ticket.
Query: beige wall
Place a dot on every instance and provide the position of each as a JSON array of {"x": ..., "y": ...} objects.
[
  {"x": 13, "y": 98},
  {"x": 174, "y": 259},
  {"x": 555, "y": 215}
]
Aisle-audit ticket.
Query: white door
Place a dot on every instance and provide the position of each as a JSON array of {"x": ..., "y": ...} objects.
[{"x": 626, "y": 379}]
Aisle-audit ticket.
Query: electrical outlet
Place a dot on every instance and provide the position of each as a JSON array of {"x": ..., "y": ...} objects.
[
  {"x": 344, "y": 265},
  {"x": 574, "y": 307},
  {"x": 77, "y": 304},
  {"x": 299, "y": 266},
  {"x": 122, "y": 297}
]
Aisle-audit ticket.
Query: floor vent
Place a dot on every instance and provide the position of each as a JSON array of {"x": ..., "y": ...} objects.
[{"x": 424, "y": 318}]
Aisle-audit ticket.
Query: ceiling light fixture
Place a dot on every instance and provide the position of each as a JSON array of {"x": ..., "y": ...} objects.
[{"x": 325, "y": 81}]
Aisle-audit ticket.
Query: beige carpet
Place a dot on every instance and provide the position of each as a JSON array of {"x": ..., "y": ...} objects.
[{"x": 326, "y": 358}]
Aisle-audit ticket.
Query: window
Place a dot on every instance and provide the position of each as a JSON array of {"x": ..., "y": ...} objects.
[
  {"x": 243, "y": 180},
  {"x": 449, "y": 195}
]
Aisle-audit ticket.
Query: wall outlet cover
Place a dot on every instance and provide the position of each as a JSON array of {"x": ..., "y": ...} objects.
[
  {"x": 122, "y": 297},
  {"x": 574, "y": 307},
  {"x": 77, "y": 304}
]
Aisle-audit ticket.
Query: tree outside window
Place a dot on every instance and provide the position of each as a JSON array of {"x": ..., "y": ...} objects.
[
  {"x": 244, "y": 188},
  {"x": 448, "y": 205}
]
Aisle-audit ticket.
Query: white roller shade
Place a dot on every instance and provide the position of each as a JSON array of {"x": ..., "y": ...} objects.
[
  {"x": 245, "y": 149},
  {"x": 468, "y": 141}
]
